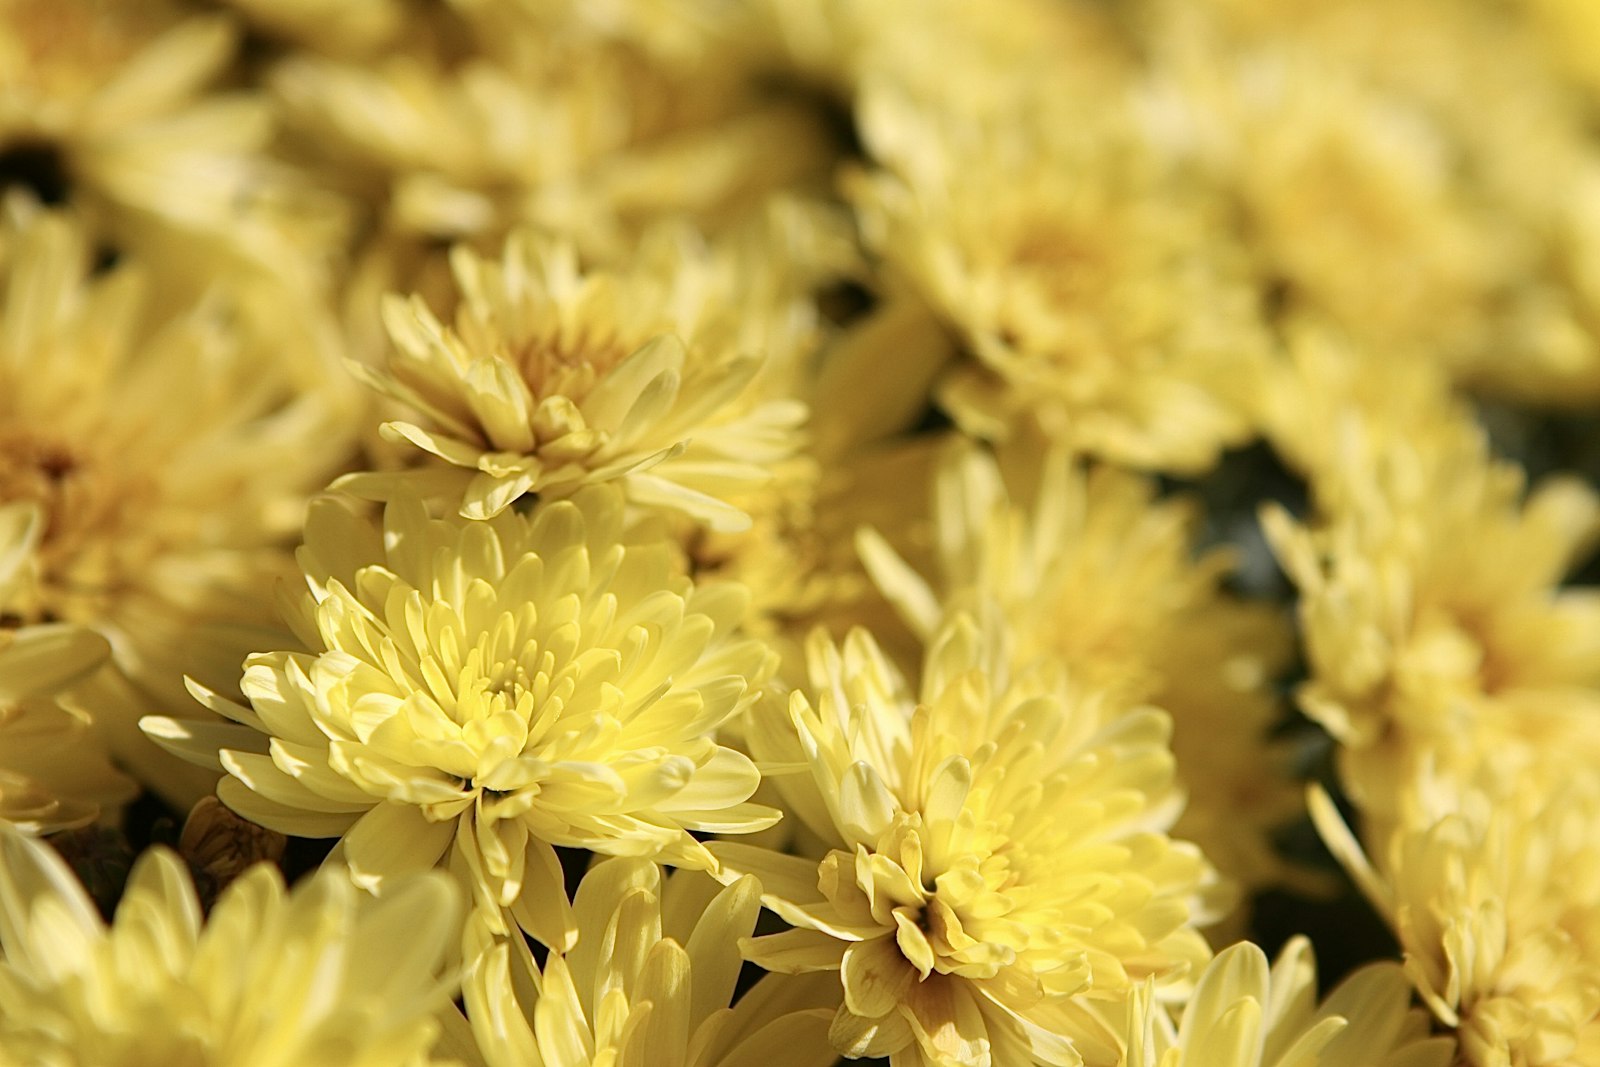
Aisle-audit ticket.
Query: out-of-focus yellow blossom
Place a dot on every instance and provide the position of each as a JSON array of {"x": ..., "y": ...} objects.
[
  {"x": 552, "y": 378},
  {"x": 1492, "y": 886},
  {"x": 1326, "y": 168},
  {"x": 1429, "y": 581},
  {"x": 163, "y": 470},
  {"x": 1090, "y": 570},
  {"x": 963, "y": 57},
  {"x": 1244, "y": 1014},
  {"x": 827, "y": 341},
  {"x": 334, "y": 27},
  {"x": 583, "y": 122},
  {"x": 648, "y": 39},
  {"x": 1102, "y": 300},
  {"x": 54, "y": 774},
  {"x": 323, "y": 976},
  {"x": 790, "y": 557},
  {"x": 884, "y": 486},
  {"x": 1522, "y": 142},
  {"x": 781, "y": 559},
  {"x": 999, "y": 856},
  {"x": 1427, "y": 60},
  {"x": 1331, "y": 394},
  {"x": 107, "y": 104},
  {"x": 481, "y": 691},
  {"x": 1440, "y": 132},
  {"x": 649, "y": 983}
]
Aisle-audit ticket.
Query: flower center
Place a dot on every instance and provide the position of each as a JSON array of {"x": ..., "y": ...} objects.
[
  {"x": 496, "y": 680},
  {"x": 1066, "y": 265},
  {"x": 560, "y": 364},
  {"x": 507, "y": 679},
  {"x": 937, "y": 917},
  {"x": 82, "y": 550}
]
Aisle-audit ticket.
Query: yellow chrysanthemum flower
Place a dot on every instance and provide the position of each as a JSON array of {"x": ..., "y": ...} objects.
[
  {"x": 1103, "y": 301},
  {"x": 998, "y": 852},
  {"x": 491, "y": 689},
  {"x": 1441, "y": 132},
  {"x": 54, "y": 774},
  {"x": 790, "y": 556},
  {"x": 155, "y": 471},
  {"x": 323, "y": 976},
  {"x": 988, "y": 54},
  {"x": 580, "y": 126},
  {"x": 1097, "y": 574},
  {"x": 586, "y": 123},
  {"x": 1324, "y": 168},
  {"x": 1492, "y": 886},
  {"x": 553, "y": 378},
  {"x": 1244, "y": 1014},
  {"x": 1331, "y": 390},
  {"x": 649, "y": 983},
  {"x": 809, "y": 571},
  {"x": 111, "y": 106},
  {"x": 1430, "y": 599}
]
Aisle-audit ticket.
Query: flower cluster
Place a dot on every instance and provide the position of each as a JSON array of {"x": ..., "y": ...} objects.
[{"x": 778, "y": 532}]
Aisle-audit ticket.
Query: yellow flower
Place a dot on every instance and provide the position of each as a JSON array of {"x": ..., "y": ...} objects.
[
  {"x": 1443, "y": 133},
  {"x": 161, "y": 465},
  {"x": 988, "y": 54},
  {"x": 1326, "y": 166},
  {"x": 1244, "y": 1015},
  {"x": 1103, "y": 300},
  {"x": 54, "y": 774},
  {"x": 1332, "y": 393},
  {"x": 648, "y": 983},
  {"x": 484, "y": 117},
  {"x": 1089, "y": 569},
  {"x": 997, "y": 853},
  {"x": 491, "y": 689},
  {"x": 319, "y": 977},
  {"x": 331, "y": 27},
  {"x": 1429, "y": 580},
  {"x": 109, "y": 107},
  {"x": 788, "y": 556},
  {"x": 552, "y": 378},
  {"x": 1492, "y": 886}
]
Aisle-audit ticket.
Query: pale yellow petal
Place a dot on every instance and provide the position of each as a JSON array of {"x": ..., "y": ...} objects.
[{"x": 391, "y": 840}]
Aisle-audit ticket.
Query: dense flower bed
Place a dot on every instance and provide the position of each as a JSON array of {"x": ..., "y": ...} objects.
[{"x": 757, "y": 532}]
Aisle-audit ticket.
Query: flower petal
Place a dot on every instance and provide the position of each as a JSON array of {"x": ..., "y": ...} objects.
[{"x": 389, "y": 840}]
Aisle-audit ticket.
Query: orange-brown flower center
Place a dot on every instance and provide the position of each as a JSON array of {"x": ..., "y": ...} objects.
[{"x": 81, "y": 557}]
